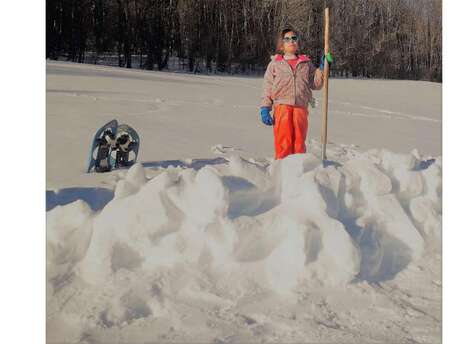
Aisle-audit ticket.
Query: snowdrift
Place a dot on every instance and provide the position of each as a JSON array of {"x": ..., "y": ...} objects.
[{"x": 233, "y": 229}]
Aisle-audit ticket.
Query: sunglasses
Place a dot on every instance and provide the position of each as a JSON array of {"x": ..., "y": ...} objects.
[{"x": 290, "y": 39}]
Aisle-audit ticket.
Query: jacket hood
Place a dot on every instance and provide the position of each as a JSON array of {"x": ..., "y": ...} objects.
[{"x": 302, "y": 58}]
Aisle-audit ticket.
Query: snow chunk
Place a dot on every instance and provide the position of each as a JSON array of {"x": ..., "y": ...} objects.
[
  {"x": 136, "y": 175},
  {"x": 370, "y": 179},
  {"x": 69, "y": 230}
]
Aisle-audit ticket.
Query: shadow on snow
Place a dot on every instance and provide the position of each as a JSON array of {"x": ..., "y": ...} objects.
[{"x": 96, "y": 198}]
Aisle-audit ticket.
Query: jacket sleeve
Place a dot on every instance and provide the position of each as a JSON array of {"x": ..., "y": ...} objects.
[
  {"x": 315, "y": 77},
  {"x": 266, "y": 100}
]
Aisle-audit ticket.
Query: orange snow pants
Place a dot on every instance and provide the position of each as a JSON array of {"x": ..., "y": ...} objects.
[{"x": 290, "y": 129}]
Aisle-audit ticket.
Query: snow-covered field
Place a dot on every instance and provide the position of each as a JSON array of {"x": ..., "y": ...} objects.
[{"x": 211, "y": 241}]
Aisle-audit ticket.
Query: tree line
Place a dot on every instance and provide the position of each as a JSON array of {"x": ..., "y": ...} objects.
[{"x": 400, "y": 39}]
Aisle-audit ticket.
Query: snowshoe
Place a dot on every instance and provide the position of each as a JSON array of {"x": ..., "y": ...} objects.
[
  {"x": 105, "y": 144},
  {"x": 127, "y": 146},
  {"x": 100, "y": 158}
]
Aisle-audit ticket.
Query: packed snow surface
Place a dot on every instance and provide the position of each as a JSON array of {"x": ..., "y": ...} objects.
[
  {"x": 180, "y": 116},
  {"x": 227, "y": 245}
]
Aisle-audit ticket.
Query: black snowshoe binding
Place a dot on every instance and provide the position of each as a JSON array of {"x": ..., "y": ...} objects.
[
  {"x": 105, "y": 145},
  {"x": 124, "y": 145}
]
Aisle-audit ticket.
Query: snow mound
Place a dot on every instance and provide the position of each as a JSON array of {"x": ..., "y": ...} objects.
[
  {"x": 254, "y": 226},
  {"x": 210, "y": 238}
]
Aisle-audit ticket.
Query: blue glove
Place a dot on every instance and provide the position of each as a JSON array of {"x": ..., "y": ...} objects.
[
  {"x": 329, "y": 60},
  {"x": 265, "y": 116}
]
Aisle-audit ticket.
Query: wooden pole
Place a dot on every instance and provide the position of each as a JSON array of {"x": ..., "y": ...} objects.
[{"x": 326, "y": 83}]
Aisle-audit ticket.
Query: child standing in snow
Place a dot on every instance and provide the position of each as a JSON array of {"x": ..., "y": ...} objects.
[{"x": 288, "y": 84}]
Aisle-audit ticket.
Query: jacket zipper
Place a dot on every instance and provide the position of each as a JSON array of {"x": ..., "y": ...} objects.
[
  {"x": 295, "y": 97},
  {"x": 293, "y": 74}
]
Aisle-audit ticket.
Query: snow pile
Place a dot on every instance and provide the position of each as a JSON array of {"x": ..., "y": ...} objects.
[{"x": 234, "y": 229}]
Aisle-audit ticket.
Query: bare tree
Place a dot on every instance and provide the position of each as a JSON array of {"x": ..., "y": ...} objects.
[{"x": 369, "y": 38}]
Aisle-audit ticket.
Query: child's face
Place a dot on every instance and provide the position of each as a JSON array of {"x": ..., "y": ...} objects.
[{"x": 290, "y": 43}]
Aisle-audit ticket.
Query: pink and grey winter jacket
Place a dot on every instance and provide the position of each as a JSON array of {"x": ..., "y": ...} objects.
[{"x": 282, "y": 85}]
